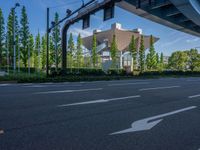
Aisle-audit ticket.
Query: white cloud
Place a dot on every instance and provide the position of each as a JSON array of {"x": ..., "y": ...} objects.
[
  {"x": 84, "y": 33},
  {"x": 192, "y": 40}
]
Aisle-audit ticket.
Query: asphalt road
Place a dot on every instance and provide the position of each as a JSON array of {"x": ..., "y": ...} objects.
[{"x": 153, "y": 114}]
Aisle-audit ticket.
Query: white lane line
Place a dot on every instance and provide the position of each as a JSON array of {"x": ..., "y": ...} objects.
[
  {"x": 159, "y": 88},
  {"x": 69, "y": 91},
  {"x": 1, "y": 131},
  {"x": 194, "y": 96},
  {"x": 4, "y": 85},
  {"x": 99, "y": 101},
  {"x": 43, "y": 86},
  {"x": 148, "y": 123},
  {"x": 122, "y": 84}
]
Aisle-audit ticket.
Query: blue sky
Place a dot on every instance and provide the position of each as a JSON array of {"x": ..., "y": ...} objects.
[{"x": 170, "y": 40}]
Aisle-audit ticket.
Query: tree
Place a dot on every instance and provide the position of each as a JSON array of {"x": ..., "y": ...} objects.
[
  {"x": 113, "y": 51},
  {"x": 178, "y": 61},
  {"x": 161, "y": 61},
  {"x": 36, "y": 53},
  {"x": 148, "y": 61},
  {"x": 43, "y": 52},
  {"x": 56, "y": 41},
  {"x": 193, "y": 59},
  {"x": 31, "y": 49},
  {"x": 24, "y": 36},
  {"x": 79, "y": 51},
  {"x": 71, "y": 49},
  {"x": 52, "y": 52},
  {"x": 133, "y": 51},
  {"x": 142, "y": 55},
  {"x": 94, "y": 50},
  {"x": 157, "y": 61},
  {"x": 152, "y": 55},
  {"x": 10, "y": 31},
  {"x": 2, "y": 36}
]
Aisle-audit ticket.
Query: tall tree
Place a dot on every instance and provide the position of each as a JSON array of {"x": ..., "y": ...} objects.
[
  {"x": 79, "y": 51},
  {"x": 161, "y": 61},
  {"x": 142, "y": 55},
  {"x": 56, "y": 38},
  {"x": 10, "y": 31},
  {"x": 178, "y": 61},
  {"x": 113, "y": 51},
  {"x": 2, "y": 36},
  {"x": 133, "y": 51},
  {"x": 152, "y": 55},
  {"x": 31, "y": 49},
  {"x": 157, "y": 61},
  {"x": 24, "y": 36},
  {"x": 94, "y": 50},
  {"x": 52, "y": 52},
  {"x": 43, "y": 52},
  {"x": 71, "y": 51},
  {"x": 36, "y": 53},
  {"x": 193, "y": 59}
]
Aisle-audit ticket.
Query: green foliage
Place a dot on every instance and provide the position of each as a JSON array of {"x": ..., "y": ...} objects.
[
  {"x": 43, "y": 52},
  {"x": 2, "y": 36},
  {"x": 24, "y": 36},
  {"x": 193, "y": 60},
  {"x": 152, "y": 63},
  {"x": 10, "y": 31},
  {"x": 142, "y": 55},
  {"x": 113, "y": 51},
  {"x": 94, "y": 50},
  {"x": 56, "y": 38},
  {"x": 31, "y": 48},
  {"x": 79, "y": 52},
  {"x": 36, "y": 53},
  {"x": 71, "y": 51},
  {"x": 178, "y": 61},
  {"x": 133, "y": 51}
]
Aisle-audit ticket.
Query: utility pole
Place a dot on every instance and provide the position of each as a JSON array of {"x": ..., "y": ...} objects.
[
  {"x": 47, "y": 64},
  {"x": 14, "y": 42}
]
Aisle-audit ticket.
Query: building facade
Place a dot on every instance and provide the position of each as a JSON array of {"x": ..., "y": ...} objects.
[{"x": 123, "y": 38}]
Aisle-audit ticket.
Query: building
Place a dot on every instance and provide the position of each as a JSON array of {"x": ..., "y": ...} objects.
[{"x": 123, "y": 38}]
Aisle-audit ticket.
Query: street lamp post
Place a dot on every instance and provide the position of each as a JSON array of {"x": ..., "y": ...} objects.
[{"x": 14, "y": 42}]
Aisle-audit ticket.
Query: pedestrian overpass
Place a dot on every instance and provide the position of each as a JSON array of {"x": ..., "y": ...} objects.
[{"x": 182, "y": 15}]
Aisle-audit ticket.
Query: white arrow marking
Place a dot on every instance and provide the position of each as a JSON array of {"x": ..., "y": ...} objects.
[
  {"x": 145, "y": 124},
  {"x": 99, "y": 101},
  {"x": 1, "y": 132},
  {"x": 69, "y": 91}
]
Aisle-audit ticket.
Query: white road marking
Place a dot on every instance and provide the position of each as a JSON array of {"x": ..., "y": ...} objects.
[
  {"x": 194, "y": 96},
  {"x": 4, "y": 84},
  {"x": 99, "y": 101},
  {"x": 159, "y": 88},
  {"x": 43, "y": 86},
  {"x": 122, "y": 84},
  {"x": 69, "y": 91},
  {"x": 1, "y": 131},
  {"x": 149, "y": 123}
]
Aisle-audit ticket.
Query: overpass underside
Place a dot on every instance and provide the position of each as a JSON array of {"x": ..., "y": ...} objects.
[{"x": 182, "y": 15}]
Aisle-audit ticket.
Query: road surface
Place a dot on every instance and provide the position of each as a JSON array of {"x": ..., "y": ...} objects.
[{"x": 153, "y": 114}]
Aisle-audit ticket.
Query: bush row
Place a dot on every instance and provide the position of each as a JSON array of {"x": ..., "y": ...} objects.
[{"x": 86, "y": 71}]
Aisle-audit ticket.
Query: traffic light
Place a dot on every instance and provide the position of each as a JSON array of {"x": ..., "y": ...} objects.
[
  {"x": 109, "y": 11},
  {"x": 86, "y": 22}
]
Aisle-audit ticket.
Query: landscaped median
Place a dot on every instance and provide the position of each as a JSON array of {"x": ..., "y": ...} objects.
[{"x": 91, "y": 76}]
